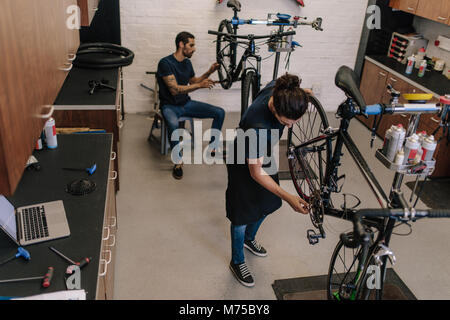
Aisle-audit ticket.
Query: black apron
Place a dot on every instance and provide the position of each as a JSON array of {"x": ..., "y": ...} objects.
[{"x": 246, "y": 200}]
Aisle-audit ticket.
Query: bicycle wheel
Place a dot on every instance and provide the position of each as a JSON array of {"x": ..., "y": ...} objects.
[
  {"x": 308, "y": 174},
  {"x": 224, "y": 53},
  {"x": 250, "y": 88},
  {"x": 342, "y": 272}
]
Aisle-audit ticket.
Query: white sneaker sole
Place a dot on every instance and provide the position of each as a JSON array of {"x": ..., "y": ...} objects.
[
  {"x": 256, "y": 253},
  {"x": 242, "y": 282}
]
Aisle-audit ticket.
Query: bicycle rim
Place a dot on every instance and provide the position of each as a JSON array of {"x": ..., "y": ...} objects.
[
  {"x": 308, "y": 165},
  {"x": 224, "y": 53},
  {"x": 342, "y": 273}
]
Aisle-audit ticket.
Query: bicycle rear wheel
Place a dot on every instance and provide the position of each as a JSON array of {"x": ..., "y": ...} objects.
[
  {"x": 250, "y": 88},
  {"x": 225, "y": 51}
]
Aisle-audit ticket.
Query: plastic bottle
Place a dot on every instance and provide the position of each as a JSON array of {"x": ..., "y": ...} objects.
[
  {"x": 50, "y": 134},
  {"x": 428, "y": 147},
  {"x": 411, "y": 147},
  {"x": 399, "y": 157},
  {"x": 410, "y": 65},
  {"x": 419, "y": 57},
  {"x": 422, "y": 68}
]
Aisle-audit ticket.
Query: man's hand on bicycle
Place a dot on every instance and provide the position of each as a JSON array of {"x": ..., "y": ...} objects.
[
  {"x": 214, "y": 67},
  {"x": 298, "y": 204},
  {"x": 207, "y": 83}
]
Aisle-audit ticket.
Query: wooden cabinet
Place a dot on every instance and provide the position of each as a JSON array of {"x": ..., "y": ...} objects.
[
  {"x": 105, "y": 282},
  {"x": 437, "y": 10},
  {"x": 374, "y": 91},
  {"x": 405, "y": 5},
  {"x": 88, "y": 9},
  {"x": 34, "y": 65}
]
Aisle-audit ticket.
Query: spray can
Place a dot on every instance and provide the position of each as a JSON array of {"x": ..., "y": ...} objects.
[
  {"x": 396, "y": 141},
  {"x": 410, "y": 65},
  {"x": 428, "y": 147},
  {"x": 422, "y": 68},
  {"x": 387, "y": 139},
  {"x": 411, "y": 147},
  {"x": 50, "y": 134}
]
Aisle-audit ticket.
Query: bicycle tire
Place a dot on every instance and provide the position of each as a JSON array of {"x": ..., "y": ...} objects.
[
  {"x": 315, "y": 121},
  {"x": 249, "y": 91},
  {"x": 224, "y": 53},
  {"x": 338, "y": 282}
]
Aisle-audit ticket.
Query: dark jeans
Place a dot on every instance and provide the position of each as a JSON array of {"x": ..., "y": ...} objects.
[
  {"x": 238, "y": 235},
  {"x": 193, "y": 109}
]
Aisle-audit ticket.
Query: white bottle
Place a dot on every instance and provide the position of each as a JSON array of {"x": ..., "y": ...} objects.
[
  {"x": 428, "y": 147},
  {"x": 400, "y": 156},
  {"x": 50, "y": 134}
]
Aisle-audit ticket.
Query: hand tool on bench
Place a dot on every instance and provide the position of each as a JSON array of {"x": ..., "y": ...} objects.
[
  {"x": 46, "y": 279},
  {"x": 21, "y": 252}
]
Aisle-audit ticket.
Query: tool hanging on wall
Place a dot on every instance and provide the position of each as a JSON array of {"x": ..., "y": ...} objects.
[
  {"x": 21, "y": 252},
  {"x": 46, "y": 279}
]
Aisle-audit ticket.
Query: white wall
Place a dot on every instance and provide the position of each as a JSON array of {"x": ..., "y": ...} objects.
[{"x": 149, "y": 28}]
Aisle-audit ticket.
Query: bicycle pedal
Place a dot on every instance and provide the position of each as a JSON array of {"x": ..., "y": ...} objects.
[{"x": 313, "y": 237}]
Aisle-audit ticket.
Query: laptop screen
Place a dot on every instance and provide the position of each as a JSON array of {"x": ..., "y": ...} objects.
[{"x": 8, "y": 217}]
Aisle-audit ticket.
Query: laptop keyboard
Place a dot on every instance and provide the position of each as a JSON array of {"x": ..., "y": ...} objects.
[{"x": 34, "y": 223}]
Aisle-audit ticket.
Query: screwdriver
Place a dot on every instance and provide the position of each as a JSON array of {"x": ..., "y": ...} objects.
[
  {"x": 80, "y": 264},
  {"x": 46, "y": 279}
]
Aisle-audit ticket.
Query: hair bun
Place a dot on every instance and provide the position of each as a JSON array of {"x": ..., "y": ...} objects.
[{"x": 288, "y": 81}]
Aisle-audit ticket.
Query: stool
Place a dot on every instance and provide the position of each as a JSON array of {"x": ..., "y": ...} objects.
[{"x": 160, "y": 123}]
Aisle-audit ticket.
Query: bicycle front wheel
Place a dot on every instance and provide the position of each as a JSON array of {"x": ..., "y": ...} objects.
[
  {"x": 250, "y": 88},
  {"x": 225, "y": 51}
]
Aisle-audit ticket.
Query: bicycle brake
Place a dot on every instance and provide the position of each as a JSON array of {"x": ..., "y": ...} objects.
[{"x": 384, "y": 251}]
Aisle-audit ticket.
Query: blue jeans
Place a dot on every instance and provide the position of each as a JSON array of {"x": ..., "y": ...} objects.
[
  {"x": 238, "y": 235},
  {"x": 193, "y": 109}
]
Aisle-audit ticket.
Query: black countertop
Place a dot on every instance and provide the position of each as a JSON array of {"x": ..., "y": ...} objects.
[
  {"x": 84, "y": 214},
  {"x": 432, "y": 80},
  {"x": 75, "y": 90}
]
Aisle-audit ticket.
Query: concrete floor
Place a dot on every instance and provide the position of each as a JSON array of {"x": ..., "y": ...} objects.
[{"x": 173, "y": 240}]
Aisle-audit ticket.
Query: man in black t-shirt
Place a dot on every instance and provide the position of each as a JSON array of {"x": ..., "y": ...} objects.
[{"x": 176, "y": 78}]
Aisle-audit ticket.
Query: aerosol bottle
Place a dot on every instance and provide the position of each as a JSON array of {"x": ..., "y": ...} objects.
[
  {"x": 50, "y": 134},
  {"x": 411, "y": 147},
  {"x": 387, "y": 139},
  {"x": 396, "y": 141},
  {"x": 410, "y": 65},
  {"x": 428, "y": 147}
]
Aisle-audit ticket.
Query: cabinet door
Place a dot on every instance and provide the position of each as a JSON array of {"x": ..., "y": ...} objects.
[
  {"x": 437, "y": 10},
  {"x": 72, "y": 31},
  {"x": 409, "y": 6}
]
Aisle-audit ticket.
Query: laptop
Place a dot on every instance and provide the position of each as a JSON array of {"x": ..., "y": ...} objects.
[{"x": 34, "y": 223}]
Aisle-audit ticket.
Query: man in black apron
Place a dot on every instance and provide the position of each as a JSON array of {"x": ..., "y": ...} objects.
[{"x": 252, "y": 194}]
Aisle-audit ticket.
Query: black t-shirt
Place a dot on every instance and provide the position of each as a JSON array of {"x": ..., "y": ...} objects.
[
  {"x": 183, "y": 72},
  {"x": 258, "y": 117}
]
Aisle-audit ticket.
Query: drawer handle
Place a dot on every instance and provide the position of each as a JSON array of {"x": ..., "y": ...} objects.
[
  {"x": 105, "y": 269},
  {"x": 95, "y": 9},
  {"x": 394, "y": 80},
  {"x": 109, "y": 233},
  {"x": 404, "y": 115},
  {"x": 435, "y": 120},
  {"x": 110, "y": 256},
  {"x": 114, "y": 241},
  {"x": 115, "y": 222},
  {"x": 48, "y": 114},
  {"x": 442, "y": 18},
  {"x": 113, "y": 155},
  {"x": 382, "y": 74},
  {"x": 72, "y": 56},
  {"x": 120, "y": 124},
  {"x": 411, "y": 9},
  {"x": 114, "y": 175},
  {"x": 68, "y": 68}
]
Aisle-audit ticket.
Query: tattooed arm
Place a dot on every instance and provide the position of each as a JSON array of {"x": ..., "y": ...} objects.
[{"x": 176, "y": 89}]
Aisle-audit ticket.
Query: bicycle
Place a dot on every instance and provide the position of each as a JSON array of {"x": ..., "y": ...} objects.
[
  {"x": 371, "y": 252},
  {"x": 226, "y": 49},
  {"x": 314, "y": 163}
]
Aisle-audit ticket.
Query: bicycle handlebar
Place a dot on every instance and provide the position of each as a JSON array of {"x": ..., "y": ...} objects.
[
  {"x": 252, "y": 36},
  {"x": 360, "y": 236}
]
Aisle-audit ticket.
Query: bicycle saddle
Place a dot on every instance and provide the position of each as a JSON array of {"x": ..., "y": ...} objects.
[
  {"x": 347, "y": 80},
  {"x": 235, "y": 4}
]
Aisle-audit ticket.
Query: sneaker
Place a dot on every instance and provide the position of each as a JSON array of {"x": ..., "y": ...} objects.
[
  {"x": 255, "y": 248},
  {"x": 242, "y": 274},
  {"x": 177, "y": 171}
]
